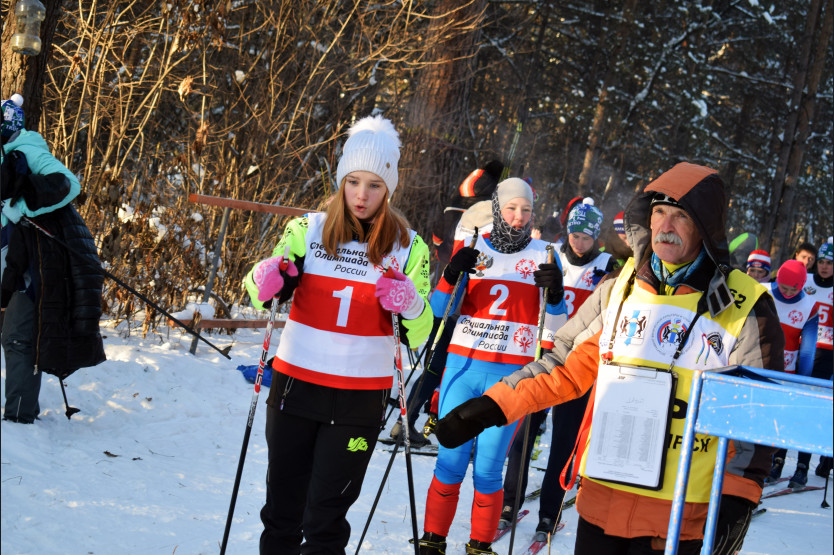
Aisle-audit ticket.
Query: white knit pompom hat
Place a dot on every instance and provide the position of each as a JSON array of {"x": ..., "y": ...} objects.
[{"x": 373, "y": 145}]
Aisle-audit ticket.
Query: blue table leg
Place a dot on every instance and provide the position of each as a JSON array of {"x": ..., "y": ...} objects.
[
  {"x": 715, "y": 495},
  {"x": 682, "y": 478}
]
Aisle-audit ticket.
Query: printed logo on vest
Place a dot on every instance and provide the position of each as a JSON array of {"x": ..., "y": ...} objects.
[
  {"x": 668, "y": 334},
  {"x": 525, "y": 267},
  {"x": 357, "y": 444},
  {"x": 483, "y": 262},
  {"x": 524, "y": 338},
  {"x": 633, "y": 326},
  {"x": 811, "y": 290},
  {"x": 795, "y": 316},
  {"x": 587, "y": 279},
  {"x": 389, "y": 261},
  {"x": 709, "y": 342}
]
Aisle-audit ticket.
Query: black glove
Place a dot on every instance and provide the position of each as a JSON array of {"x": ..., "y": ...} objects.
[
  {"x": 463, "y": 261},
  {"x": 550, "y": 276},
  {"x": 598, "y": 275},
  {"x": 13, "y": 178},
  {"x": 467, "y": 420}
]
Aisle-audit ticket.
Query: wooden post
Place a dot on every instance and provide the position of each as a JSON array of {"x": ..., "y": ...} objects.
[
  {"x": 228, "y": 204},
  {"x": 218, "y": 249}
]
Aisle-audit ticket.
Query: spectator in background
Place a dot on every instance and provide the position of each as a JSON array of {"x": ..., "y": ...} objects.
[
  {"x": 44, "y": 287},
  {"x": 478, "y": 186},
  {"x": 816, "y": 345},
  {"x": 614, "y": 242},
  {"x": 794, "y": 308},
  {"x": 807, "y": 254},
  {"x": 758, "y": 266}
]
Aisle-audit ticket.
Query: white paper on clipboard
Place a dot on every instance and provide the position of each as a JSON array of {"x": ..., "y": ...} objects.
[{"x": 631, "y": 411}]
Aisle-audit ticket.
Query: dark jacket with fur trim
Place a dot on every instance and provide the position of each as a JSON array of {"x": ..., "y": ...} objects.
[{"x": 570, "y": 370}]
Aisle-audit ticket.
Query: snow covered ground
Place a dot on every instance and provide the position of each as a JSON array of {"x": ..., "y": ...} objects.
[{"x": 148, "y": 466}]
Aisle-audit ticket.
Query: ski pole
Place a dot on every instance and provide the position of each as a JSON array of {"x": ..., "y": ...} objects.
[
  {"x": 551, "y": 258},
  {"x": 224, "y": 351},
  {"x": 273, "y": 309},
  {"x": 70, "y": 410},
  {"x": 433, "y": 341},
  {"x": 398, "y": 357},
  {"x": 379, "y": 492}
]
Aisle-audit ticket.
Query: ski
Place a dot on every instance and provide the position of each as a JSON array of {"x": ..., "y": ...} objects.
[
  {"x": 788, "y": 491},
  {"x": 540, "y": 541},
  {"x": 429, "y": 449},
  {"x": 775, "y": 482},
  {"x": 422, "y": 452},
  {"x": 502, "y": 531},
  {"x": 758, "y": 512}
]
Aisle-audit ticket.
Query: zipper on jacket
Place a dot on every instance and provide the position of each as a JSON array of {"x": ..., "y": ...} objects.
[
  {"x": 286, "y": 390},
  {"x": 40, "y": 305}
]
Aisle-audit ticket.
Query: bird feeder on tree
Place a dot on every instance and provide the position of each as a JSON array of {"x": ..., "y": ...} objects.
[{"x": 27, "y": 40}]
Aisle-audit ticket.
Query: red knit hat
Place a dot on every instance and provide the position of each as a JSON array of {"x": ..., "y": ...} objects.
[
  {"x": 792, "y": 273},
  {"x": 619, "y": 225}
]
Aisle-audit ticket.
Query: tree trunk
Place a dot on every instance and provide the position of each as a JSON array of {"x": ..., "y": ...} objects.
[
  {"x": 611, "y": 74},
  {"x": 799, "y": 79},
  {"x": 784, "y": 218},
  {"x": 26, "y": 74},
  {"x": 434, "y": 124}
]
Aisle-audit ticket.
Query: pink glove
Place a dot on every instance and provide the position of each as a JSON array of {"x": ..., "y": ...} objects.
[
  {"x": 398, "y": 294},
  {"x": 268, "y": 278}
]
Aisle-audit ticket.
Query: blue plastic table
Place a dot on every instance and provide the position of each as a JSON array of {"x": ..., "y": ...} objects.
[{"x": 754, "y": 405}]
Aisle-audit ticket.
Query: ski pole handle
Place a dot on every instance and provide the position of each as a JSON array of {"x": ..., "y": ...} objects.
[
  {"x": 446, "y": 312},
  {"x": 551, "y": 258},
  {"x": 285, "y": 262}
]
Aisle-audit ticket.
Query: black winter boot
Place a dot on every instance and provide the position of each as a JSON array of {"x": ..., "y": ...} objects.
[
  {"x": 800, "y": 478},
  {"x": 506, "y": 519},
  {"x": 775, "y": 470},
  {"x": 824, "y": 467},
  {"x": 546, "y": 526},
  {"x": 431, "y": 544}
]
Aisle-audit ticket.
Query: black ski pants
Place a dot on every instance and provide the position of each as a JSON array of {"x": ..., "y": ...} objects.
[
  {"x": 315, "y": 474},
  {"x": 734, "y": 518},
  {"x": 432, "y": 375}
]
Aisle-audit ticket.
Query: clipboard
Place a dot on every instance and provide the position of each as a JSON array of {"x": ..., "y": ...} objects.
[{"x": 631, "y": 421}]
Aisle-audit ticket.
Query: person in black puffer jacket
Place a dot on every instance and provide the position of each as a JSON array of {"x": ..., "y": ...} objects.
[{"x": 51, "y": 294}]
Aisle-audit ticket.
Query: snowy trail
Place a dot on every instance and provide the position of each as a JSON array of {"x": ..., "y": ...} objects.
[{"x": 147, "y": 466}]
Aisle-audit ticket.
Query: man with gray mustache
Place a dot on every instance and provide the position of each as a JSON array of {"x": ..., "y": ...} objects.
[{"x": 675, "y": 307}]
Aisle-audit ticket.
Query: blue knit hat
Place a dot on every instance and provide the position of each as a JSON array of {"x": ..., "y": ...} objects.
[
  {"x": 585, "y": 218},
  {"x": 12, "y": 116},
  {"x": 826, "y": 251}
]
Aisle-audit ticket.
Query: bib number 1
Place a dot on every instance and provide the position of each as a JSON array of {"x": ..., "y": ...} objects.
[{"x": 344, "y": 297}]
